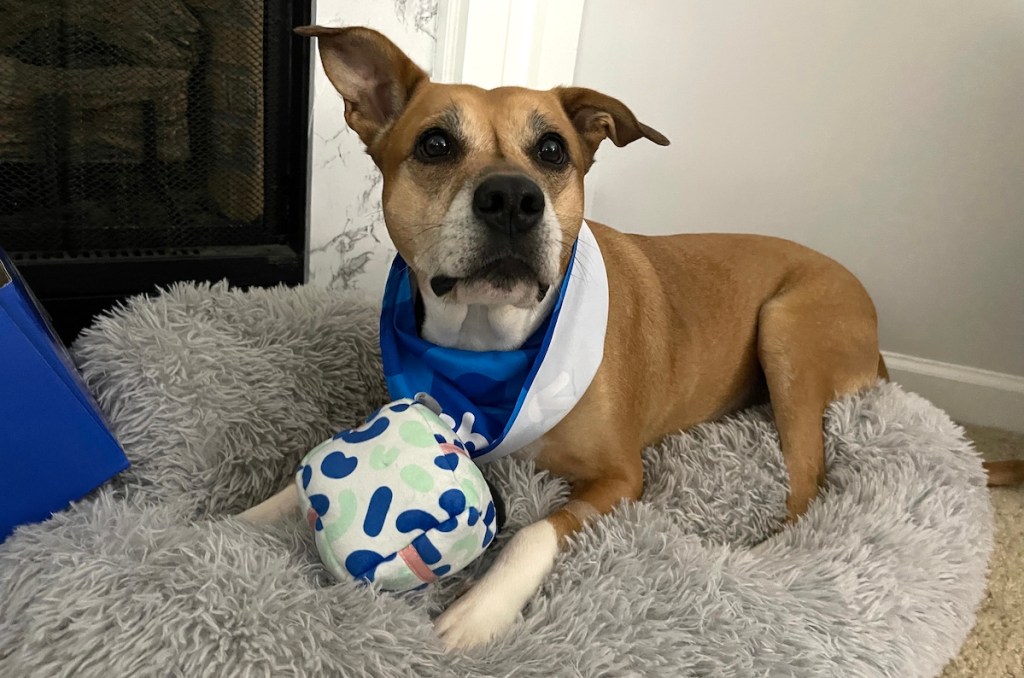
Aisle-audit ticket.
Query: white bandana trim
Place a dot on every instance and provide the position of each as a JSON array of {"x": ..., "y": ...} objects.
[{"x": 573, "y": 354}]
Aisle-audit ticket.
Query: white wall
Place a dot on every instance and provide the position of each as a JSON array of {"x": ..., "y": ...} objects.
[
  {"x": 889, "y": 135},
  {"x": 349, "y": 246}
]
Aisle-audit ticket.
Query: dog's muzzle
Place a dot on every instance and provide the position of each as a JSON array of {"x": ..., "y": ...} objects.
[
  {"x": 508, "y": 208},
  {"x": 509, "y": 204}
]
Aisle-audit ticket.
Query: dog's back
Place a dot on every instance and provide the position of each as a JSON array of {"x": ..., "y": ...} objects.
[{"x": 696, "y": 302}]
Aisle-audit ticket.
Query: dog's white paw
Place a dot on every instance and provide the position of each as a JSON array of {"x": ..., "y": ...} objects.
[
  {"x": 491, "y": 606},
  {"x": 475, "y": 619}
]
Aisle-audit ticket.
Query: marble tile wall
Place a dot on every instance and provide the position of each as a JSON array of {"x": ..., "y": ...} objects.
[{"x": 349, "y": 246}]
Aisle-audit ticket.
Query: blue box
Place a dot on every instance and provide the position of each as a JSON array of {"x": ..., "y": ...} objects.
[{"x": 55, "y": 444}]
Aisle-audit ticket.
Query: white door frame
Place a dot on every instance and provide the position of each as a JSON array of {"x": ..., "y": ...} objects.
[{"x": 491, "y": 43}]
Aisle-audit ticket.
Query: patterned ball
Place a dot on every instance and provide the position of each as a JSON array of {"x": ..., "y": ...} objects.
[{"x": 397, "y": 501}]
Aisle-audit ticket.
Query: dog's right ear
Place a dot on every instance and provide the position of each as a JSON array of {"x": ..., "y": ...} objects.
[{"x": 373, "y": 76}]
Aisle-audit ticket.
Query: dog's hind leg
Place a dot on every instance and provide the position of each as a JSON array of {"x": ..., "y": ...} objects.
[{"x": 816, "y": 340}]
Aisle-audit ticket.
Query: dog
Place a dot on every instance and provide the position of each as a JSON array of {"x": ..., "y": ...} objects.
[{"x": 483, "y": 198}]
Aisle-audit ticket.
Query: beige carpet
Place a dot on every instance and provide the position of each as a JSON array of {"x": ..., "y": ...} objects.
[{"x": 995, "y": 647}]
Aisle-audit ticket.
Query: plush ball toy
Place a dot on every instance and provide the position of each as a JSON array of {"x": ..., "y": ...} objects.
[{"x": 397, "y": 501}]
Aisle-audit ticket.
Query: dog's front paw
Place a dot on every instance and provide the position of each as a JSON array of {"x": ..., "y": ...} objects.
[
  {"x": 490, "y": 607},
  {"x": 475, "y": 619}
]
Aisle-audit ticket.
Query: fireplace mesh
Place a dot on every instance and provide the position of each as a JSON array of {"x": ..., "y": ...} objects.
[{"x": 136, "y": 125}]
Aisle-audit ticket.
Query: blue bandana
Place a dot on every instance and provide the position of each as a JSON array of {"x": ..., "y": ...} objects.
[{"x": 501, "y": 401}]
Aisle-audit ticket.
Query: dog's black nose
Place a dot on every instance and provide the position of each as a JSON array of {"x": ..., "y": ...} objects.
[{"x": 510, "y": 203}]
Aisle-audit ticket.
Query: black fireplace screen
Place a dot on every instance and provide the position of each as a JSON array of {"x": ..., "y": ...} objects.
[{"x": 153, "y": 130}]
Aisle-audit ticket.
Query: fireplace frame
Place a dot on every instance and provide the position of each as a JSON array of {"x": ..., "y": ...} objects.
[{"x": 73, "y": 288}]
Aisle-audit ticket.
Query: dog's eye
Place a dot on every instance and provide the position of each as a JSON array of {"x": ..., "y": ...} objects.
[
  {"x": 434, "y": 144},
  {"x": 551, "y": 150}
]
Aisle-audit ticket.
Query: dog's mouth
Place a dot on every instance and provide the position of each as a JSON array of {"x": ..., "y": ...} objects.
[{"x": 503, "y": 274}]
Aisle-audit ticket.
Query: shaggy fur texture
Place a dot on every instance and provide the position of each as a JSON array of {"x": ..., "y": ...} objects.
[{"x": 216, "y": 394}]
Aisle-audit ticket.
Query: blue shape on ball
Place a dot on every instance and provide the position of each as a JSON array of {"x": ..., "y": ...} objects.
[
  {"x": 307, "y": 475},
  {"x": 441, "y": 440},
  {"x": 399, "y": 407},
  {"x": 489, "y": 515},
  {"x": 363, "y": 563},
  {"x": 453, "y": 502},
  {"x": 474, "y": 515},
  {"x": 448, "y": 525},
  {"x": 321, "y": 504},
  {"x": 448, "y": 462},
  {"x": 443, "y": 570},
  {"x": 415, "y": 519},
  {"x": 337, "y": 465},
  {"x": 428, "y": 552},
  {"x": 364, "y": 433},
  {"x": 377, "y": 512}
]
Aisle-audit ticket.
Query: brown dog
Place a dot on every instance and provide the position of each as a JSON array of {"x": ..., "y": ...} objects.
[{"x": 698, "y": 325}]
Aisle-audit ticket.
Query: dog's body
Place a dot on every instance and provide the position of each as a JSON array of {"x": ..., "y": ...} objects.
[
  {"x": 698, "y": 326},
  {"x": 483, "y": 197}
]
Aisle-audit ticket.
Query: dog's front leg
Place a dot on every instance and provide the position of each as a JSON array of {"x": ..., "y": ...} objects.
[{"x": 493, "y": 603}]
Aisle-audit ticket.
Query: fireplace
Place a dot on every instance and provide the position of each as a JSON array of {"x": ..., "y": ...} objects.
[{"x": 148, "y": 142}]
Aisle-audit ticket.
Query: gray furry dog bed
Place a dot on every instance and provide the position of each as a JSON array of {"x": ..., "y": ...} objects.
[{"x": 215, "y": 394}]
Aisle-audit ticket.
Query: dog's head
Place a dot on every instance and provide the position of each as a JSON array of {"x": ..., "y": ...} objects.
[{"x": 483, "y": 189}]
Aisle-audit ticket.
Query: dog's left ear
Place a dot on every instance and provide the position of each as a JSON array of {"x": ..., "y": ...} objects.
[
  {"x": 597, "y": 117},
  {"x": 374, "y": 77}
]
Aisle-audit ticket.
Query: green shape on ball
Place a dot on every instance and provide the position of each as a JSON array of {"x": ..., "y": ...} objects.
[
  {"x": 434, "y": 420},
  {"x": 467, "y": 544},
  {"x": 417, "y": 478},
  {"x": 469, "y": 489},
  {"x": 416, "y": 434},
  {"x": 347, "y": 506},
  {"x": 382, "y": 457}
]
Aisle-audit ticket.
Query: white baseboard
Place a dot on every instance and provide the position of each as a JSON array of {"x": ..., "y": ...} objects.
[{"x": 968, "y": 394}]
